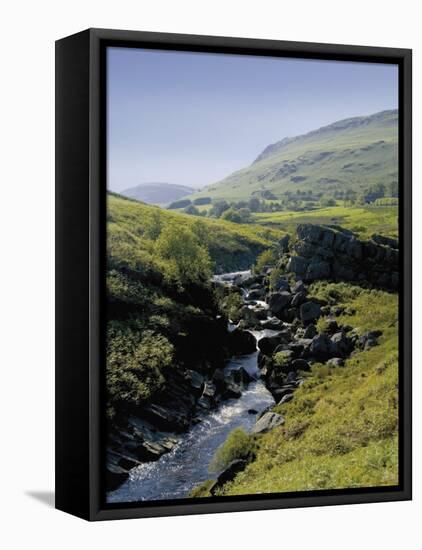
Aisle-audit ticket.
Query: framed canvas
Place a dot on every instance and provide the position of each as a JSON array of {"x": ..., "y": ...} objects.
[{"x": 233, "y": 274}]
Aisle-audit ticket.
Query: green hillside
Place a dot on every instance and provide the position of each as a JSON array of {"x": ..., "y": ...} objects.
[
  {"x": 351, "y": 154},
  {"x": 133, "y": 229}
]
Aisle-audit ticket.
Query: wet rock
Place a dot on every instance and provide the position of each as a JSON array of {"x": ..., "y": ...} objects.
[
  {"x": 252, "y": 411},
  {"x": 165, "y": 418},
  {"x": 256, "y": 294},
  {"x": 310, "y": 311},
  {"x": 272, "y": 324},
  {"x": 241, "y": 376},
  {"x": 195, "y": 380},
  {"x": 241, "y": 342},
  {"x": 267, "y": 422},
  {"x": 268, "y": 344}
]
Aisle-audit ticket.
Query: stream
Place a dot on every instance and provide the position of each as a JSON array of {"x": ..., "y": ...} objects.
[{"x": 176, "y": 473}]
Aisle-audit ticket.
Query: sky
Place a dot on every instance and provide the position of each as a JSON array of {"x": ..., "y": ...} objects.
[{"x": 194, "y": 118}]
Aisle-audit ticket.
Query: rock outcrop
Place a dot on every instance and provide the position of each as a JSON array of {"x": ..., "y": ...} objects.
[{"x": 327, "y": 252}]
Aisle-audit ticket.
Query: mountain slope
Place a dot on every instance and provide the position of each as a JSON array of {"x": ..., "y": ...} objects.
[
  {"x": 157, "y": 193},
  {"x": 350, "y": 154}
]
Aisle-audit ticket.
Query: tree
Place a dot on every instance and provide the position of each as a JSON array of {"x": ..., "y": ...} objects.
[
  {"x": 186, "y": 260},
  {"x": 192, "y": 210},
  {"x": 218, "y": 208}
]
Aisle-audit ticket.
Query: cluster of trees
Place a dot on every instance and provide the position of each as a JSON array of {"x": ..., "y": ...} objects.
[{"x": 298, "y": 200}]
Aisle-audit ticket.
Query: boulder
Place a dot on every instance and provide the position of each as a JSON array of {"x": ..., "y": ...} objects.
[
  {"x": 310, "y": 311},
  {"x": 300, "y": 364},
  {"x": 241, "y": 376},
  {"x": 267, "y": 422},
  {"x": 279, "y": 393},
  {"x": 241, "y": 342},
  {"x": 310, "y": 331},
  {"x": 336, "y": 362},
  {"x": 165, "y": 418},
  {"x": 277, "y": 301},
  {"x": 341, "y": 345},
  {"x": 272, "y": 323},
  {"x": 228, "y": 474},
  {"x": 297, "y": 265},
  {"x": 298, "y": 298},
  {"x": 256, "y": 294},
  {"x": 268, "y": 344},
  {"x": 286, "y": 399},
  {"x": 320, "y": 347},
  {"x": 299, "y": 286},
  {"x": 318, "y": 270},
  {"x": 369, "y": 339}
]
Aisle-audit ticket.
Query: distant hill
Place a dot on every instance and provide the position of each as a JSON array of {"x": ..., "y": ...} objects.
[
  {"x": 349, "y": 154},
  {"x": 157, "y": 193}
]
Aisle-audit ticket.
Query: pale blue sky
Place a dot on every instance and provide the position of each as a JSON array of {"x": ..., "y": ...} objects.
[{"x": 193, "y": 118}]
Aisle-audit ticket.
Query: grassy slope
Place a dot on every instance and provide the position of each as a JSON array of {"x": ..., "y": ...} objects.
[
  {"x": 341, "y": 427},
  {"x": 354, "y": 159},
  {"x": 132, "y": 227},
  {"x": 364, "y": 220}
]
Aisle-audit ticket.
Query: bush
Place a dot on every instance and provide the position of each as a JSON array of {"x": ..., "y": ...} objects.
[
  {"x": 186, "y": 259},
  {"x": 281, "y": 358},
  {"x": 266, "y": 258},
  {"x": 192, "y": 210},
  {"x": 238, "y": 445},
  {"x": 135, "y": 365}
]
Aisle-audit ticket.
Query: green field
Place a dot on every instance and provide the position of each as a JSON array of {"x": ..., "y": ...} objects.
[{"x": 363, "y": 220}]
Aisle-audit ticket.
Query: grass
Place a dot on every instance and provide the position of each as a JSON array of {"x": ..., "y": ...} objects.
[
  {"x": 133, "y": 228},
  {"x": 341, "y": 427},
  {"x": 363, "y": 220}
]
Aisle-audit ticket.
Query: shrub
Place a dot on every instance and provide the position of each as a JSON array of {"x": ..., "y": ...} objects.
[
  {"x": 135, "y": 364},
  {"x": 186, "y": 260},
  {"x": 281, "y": 358},
  {"x": 266, "y": 258},
  {"x": 238, "y": 445}
]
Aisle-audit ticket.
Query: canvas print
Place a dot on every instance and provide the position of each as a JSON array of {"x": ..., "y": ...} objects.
[{"x": 252, "y": 275}]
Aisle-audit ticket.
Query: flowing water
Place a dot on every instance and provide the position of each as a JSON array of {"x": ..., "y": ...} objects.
[{"x": 176, "y": 473}]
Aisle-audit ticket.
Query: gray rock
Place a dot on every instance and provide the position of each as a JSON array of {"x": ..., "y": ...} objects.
[
  {"x": 267, "y": 422},
  {"x": 298, "y": 265},
  {"x": 241, "y": 342},
  {"x": 321, "y": 347},
  {"x": 310, "y": 331},
  {"x": 278, "y": 301},
  {"x": 318, "y": 270},
  {"x": 310, "y": 311},
  {"x": 228, "y": 474},
  {"x": 298, "y": 298},
  {"x": 300, "y": 364},
  {"x": 336, "y": 362}
]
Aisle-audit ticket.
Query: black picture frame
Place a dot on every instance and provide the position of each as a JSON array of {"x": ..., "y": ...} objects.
[{"x": 80, "y": 269}]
